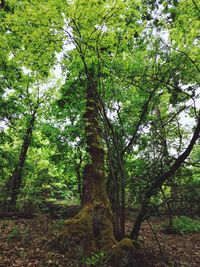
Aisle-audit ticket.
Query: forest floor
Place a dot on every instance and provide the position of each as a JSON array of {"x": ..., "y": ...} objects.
[{"x": 27, "y": 243}]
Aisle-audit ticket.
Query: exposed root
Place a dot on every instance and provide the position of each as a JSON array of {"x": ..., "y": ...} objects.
[{"x": 89, "y": 231}]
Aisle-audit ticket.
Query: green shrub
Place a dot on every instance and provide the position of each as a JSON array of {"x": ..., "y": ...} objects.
[
  {"x": 58, "y": 225},
  {"x": 182, "y": 225},
  {"x": 14, "y": 234},
  {"x": 95, "y": 259},
  {"x": 17, "y": 234}
]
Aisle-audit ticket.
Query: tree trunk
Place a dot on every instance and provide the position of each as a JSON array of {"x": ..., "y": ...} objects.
[
  {"x": 119, "y": 168},
  {"x": 16, "y": 178},
  {"x": 92, "y": 228},
  {"x": 2, "y": 4},
  {"x": 79, "y": 178},
  {"x": 139, "y": 220}
]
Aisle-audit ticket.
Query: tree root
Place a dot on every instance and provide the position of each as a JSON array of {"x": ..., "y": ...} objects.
[
  {"x": 91, "y": 231},
  {"x": 128, "y": 253}
]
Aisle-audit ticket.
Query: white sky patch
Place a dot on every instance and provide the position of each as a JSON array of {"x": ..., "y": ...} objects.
[
  {"x": 8, "y": 92},
  {"x": 57, "y": 71},
  {"x": 103, "y": 27},
  {"x": 26, "y": 71},
  {"x": 3, "y": 125},
  {"x": 185, "y": 119},
  {"x": 67, "y": 46}
]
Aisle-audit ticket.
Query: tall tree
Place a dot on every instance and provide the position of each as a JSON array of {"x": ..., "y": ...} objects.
[
  {"x": 117, "y": 70},
  {"x": 16, "y": 179}
]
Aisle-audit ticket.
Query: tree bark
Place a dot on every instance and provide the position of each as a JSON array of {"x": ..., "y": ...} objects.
[
  {"x": 16, "y": 178},
  {"x": 79, "y": 177},
  {"x": 2, "y": 4},
  {"x": 119, "y": 161},
  {"x": 92, "y": 228}
]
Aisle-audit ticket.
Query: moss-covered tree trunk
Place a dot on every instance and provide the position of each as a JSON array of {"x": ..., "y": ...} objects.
[{"x": 92, "y": 228}]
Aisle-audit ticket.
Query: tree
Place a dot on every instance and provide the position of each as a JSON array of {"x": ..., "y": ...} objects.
[
  {"x": 34, "y": 102},
  {"x": 16, "y": 178},
  {"x": 16, "y": 63},
  {"x": 118, "y": 72},
  {"x": 92, "y": 227}
]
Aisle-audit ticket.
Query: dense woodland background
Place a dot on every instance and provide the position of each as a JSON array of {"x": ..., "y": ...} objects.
[{"x": 111, "y": 85}]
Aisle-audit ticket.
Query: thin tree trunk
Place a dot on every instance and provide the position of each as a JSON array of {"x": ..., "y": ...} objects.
[
  {"x": 16, "y": 178},
  {"x": 139, "y": 220},
  {"x": 2, "y": 4},
  {"x": 154, "y": 188},
  {"x": 119, "y": 157}
]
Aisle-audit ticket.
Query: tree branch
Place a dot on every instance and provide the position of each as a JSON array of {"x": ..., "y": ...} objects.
[
  {"x": 182, "y": 52},
  {"x": 142, "y": 115},
  {"x": 196, "y": 5},
  {"x": 160, "y": 179},
  {"x": 2, "y": 4}
]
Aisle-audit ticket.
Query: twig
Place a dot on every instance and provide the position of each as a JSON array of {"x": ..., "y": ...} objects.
[{"x": 155, "y": 236}]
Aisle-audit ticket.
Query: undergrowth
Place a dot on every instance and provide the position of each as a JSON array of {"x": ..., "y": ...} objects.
[{"x": 182, "y": 225}]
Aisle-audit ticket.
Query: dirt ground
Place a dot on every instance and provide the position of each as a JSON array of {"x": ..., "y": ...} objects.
[
  {"x": 28, "y": 243},
  {"x": 169, "y": 249}
]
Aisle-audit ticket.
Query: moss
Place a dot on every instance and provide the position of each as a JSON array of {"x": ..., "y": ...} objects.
[
  {"x": 127, "y": 253},
  {"x": 102, "y": 224},
  {"x": 107, "y": 240},
  {"x": 126, "y": 243},
  {"x": 90, "y": 107},
  {"x": 137, "y": 245},
  {"x": 90, "y": 230},
  {"x": 77, "y": 234}
]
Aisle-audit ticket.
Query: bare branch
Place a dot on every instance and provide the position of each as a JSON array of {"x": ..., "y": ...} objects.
[{"x": 142, "y": 115}]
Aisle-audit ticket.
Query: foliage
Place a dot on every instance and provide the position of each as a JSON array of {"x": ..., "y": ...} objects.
[
  {"x": 14, "y": 234},
  {"x": 182, "y": 225},
  {"x": 96, "y": 259},
  {"x": 143, "y": 57}
]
